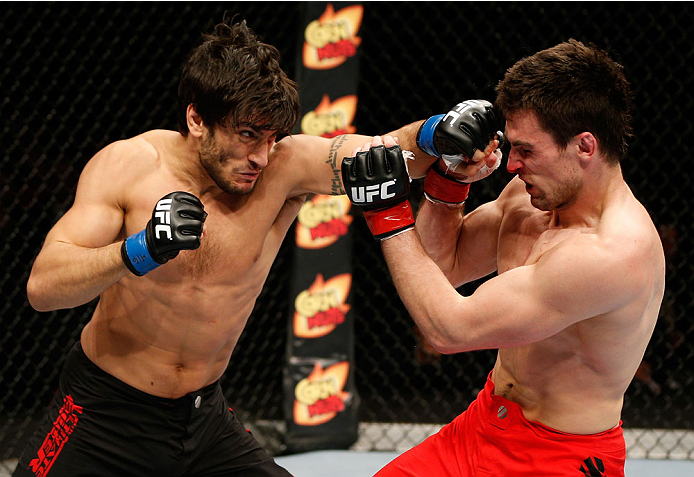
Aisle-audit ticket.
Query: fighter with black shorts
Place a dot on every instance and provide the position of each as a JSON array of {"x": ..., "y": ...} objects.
[{"x": 96, "y": 417}]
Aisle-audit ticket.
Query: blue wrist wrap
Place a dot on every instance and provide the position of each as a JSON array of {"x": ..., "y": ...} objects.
[
  {"x": 425, "y": 141},
  {"x": 140, "y": 258}
]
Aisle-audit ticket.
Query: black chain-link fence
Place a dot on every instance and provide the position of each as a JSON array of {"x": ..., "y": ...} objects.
[{"x": 77, "y": 76}]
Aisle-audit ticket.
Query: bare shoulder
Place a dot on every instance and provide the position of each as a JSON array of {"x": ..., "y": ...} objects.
[
  {"x": 288, "y": 160},
  {"x": 628, "y": 230},
  {"x": 514, "y": 189},
  {"x": 623, "y": 253},
  {"x": 514, "y": 198},
  {"x": 630, "y": 235},
  {"x": 121, "y": 166},
  {"x": 128, "y": 156}
]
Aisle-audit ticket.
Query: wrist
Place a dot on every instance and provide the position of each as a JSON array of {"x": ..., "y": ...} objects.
[
  {"x": 136, "y": 255},
  {"x": 442, "y": 188},
  {"x": 425, "y": 135},
  {"x": 388, "y": 222}
]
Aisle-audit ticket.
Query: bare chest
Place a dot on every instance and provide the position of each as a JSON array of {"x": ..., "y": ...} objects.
[
  {"x": 240, "y": 240},
  {"x": 525, "y": 236},
  {"x": 229, "y": 242}
]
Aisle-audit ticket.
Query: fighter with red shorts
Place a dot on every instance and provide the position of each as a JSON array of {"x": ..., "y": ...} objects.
[{"x": 492, "y": 437}]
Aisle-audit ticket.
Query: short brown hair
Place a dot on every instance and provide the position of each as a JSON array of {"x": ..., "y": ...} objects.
[
  {"x": 233, "y": 79},
  {"x": 572, "y": 88}
]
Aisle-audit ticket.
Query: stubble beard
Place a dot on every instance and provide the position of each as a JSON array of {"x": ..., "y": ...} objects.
[
  {"x": 214, "y": 160},
  {"x": 561, "y": 197}
]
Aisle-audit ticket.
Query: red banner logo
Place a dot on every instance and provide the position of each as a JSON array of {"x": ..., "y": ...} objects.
[
  {"x": 319, "y": 397},
  {"x": 332, "y": 39},
  {"x": 322, "y": 220},
  {"x": 331, "y": 119},
  {"x": 322, "y": 307}
]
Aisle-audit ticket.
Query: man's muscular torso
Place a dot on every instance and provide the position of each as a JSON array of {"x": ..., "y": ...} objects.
[
  {"x": 574, "y": 381},
  {"x": 173, "y": 330}
]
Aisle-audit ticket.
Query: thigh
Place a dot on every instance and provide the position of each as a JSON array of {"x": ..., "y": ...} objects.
[
  {"x": 61, "y": 446},
  {"x": 439, "y": 455},
  {"x": 231, "y": 450},
  {"x": 94, "y": 427}
]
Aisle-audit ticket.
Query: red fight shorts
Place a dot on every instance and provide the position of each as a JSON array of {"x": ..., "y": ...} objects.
[{"x": 493, "y": 438}]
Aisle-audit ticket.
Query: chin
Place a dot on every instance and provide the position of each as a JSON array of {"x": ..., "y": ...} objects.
[
  {"x": 243, "y": 189},
  {"x": 540, "y": 206}
]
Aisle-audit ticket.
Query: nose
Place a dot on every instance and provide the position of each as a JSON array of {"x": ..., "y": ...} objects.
[
  {"x": 513, "y": 164},
  {"x": 259, "y": 156}
]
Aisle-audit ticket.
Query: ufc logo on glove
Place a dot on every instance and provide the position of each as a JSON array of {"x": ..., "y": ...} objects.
[
  {"x": 163, "y": 214},
  {"x": 377, "y": 180},
  {"x": 366, "y": 194},
  {"x": 176, "y": 224}
]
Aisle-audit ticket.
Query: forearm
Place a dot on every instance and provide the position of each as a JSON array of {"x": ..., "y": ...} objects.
[
  {"x": 65, "y": 275},
  {"x": 407, "y": 138},
  {"x": 439, "y": 227},
  {"x": 428, "y": 296}
]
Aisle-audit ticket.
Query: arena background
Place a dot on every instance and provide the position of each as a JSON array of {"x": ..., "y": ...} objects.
[{"x": 77, "y": 76}]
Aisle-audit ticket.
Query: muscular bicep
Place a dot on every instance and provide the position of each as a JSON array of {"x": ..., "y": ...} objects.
[
  {"x": 312, "y": 164},
  {"x": 476, "y": 253},
  {"x": 478, "y": 244},
  {"x": 464, "y": 248},
  {"x": 570, "y": 283},
  {"x": 95, "y": 219},
  {"x": 89, "y": 225}
]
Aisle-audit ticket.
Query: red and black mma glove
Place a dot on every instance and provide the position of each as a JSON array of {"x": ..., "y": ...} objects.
[
  {"x": 176, "y": 224},
  {"x": 377, "y": 181},
  {"x": 455, "y": 137}
]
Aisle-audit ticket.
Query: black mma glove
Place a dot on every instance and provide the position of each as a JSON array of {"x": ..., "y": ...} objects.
[
  {"x": 176, "y": 225},
  {"x": 378, "y": 182},
  {"x": 467, "y": 127}
]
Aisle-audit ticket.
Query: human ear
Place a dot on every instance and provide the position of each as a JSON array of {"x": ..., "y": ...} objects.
[
  {"x": 587, "y": 146},
  {"x": 194, "y": 121}
]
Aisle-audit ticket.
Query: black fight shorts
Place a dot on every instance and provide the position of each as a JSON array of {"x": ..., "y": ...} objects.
[{"x": 100, "y": 426}]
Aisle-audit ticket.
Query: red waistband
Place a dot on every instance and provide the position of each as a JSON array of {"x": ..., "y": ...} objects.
[{"x": 503, "y": 412}]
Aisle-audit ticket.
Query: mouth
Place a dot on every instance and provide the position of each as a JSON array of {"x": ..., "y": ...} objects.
[
  {"x": 528, "y": 185},
  {"x": 250, "y": 176}
]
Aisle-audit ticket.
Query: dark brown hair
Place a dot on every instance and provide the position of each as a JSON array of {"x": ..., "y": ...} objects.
[
  {"x": 233, "y": 79},
  {"x": 572, "y": 88}
]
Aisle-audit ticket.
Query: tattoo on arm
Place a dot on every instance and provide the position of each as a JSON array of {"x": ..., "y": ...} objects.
[{"x": 336, "y": 188}]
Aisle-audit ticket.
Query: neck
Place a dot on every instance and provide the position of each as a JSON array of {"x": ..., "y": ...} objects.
[
  {"x": 600, "y": 188},
  {"x": 188, "y": 168}
]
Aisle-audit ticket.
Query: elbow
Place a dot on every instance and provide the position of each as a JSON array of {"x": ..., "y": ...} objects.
[
  {"x": 446, "y": 345},
  {"x": 37, "y": 296},
  {"x": 447, "y": 348},
  {"x": 453, "y": 347}
]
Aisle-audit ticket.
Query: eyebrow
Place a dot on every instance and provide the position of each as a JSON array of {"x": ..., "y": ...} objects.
[
  {"x": 257, "y": 130},
  {"x": 254, "y": 127},
  {"x": 521, "y": 143}
]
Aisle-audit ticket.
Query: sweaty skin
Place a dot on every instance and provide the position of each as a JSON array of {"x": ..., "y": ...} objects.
[
  {"x": 581, "y": 276},
  {"x": 173, "y": 330}
]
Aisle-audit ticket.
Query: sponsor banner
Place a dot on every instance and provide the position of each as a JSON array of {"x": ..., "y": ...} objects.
[
  {"x": 322, "y": 221},
  {"x": 321, "y": 402},
  {"x": 321, "y": 406},
  {"x": 328, "y": 67},
  {"x": 321, "y": 308}
]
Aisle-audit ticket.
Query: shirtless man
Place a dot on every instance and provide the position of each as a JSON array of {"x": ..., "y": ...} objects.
[
  {"x": 579, "y": 285},
  {"x": 176, "y": 233}
]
